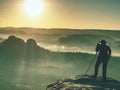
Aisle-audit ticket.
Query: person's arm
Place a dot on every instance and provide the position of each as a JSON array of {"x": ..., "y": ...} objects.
[
  {"x": 97, "y": 47},
  {"x": 109, "y": 52}
]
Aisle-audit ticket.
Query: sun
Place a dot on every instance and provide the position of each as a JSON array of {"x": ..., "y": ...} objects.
[{"x": 33, "y": 7}]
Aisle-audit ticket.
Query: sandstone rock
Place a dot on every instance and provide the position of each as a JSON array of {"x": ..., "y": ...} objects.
[{"x": 84, "y": 82}]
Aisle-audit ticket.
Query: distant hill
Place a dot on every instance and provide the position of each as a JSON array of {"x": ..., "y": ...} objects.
[
  {"x": 83, "y": 39},
  {"x": 88, "y": 42}
]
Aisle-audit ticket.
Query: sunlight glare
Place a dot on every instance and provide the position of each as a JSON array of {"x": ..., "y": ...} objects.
[{"x": 33, "y": 7}]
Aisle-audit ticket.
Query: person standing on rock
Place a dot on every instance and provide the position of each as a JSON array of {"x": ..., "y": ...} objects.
[{"x": 104, "y": 53}]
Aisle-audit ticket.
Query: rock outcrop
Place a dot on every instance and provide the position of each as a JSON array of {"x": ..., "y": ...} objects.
[
  {"x": 14, "y": 47},
  {"x": 84, "y": 82}
]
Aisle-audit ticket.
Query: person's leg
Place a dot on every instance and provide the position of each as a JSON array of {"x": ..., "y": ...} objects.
[
  {"x": 96, "y": 67},
  {"x": 104, "y": 70}
]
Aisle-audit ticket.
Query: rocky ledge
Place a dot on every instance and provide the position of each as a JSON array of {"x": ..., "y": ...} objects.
[{"x": 84, "y": 82}]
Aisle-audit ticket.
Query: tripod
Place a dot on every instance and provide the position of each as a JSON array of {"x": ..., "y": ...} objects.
[{"x": 90, "y": 64}]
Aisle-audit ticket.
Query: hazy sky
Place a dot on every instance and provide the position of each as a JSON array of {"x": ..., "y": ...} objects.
[{"x": 90, "y": 14}]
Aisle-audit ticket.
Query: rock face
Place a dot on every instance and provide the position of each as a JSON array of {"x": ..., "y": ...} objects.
[
  {"x": 12, "y": 46},
  {"x": 84, "y": 82}
]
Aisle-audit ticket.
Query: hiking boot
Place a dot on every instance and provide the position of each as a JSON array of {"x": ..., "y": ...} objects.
[{"x": 104, "y": 79}]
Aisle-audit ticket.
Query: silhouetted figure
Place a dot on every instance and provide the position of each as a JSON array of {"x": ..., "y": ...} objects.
[{"x": 104, "y": 52}]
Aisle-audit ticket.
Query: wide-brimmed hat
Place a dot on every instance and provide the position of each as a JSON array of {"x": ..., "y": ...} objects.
[{"x": 103, "y": 42}]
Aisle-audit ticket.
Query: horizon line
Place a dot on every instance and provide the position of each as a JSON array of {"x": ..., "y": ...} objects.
[{"x": 61, "y": 28}]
